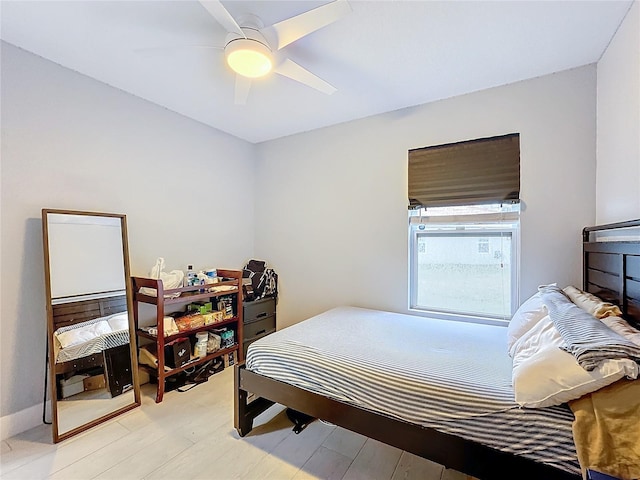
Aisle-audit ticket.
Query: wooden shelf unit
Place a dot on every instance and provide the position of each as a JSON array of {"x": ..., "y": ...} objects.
[{"x": 233, "y": 278}]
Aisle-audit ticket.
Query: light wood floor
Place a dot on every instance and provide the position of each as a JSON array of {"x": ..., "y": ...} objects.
[
  {"x": 190, "y": 435},
  {"x": 81, "y": 408}
]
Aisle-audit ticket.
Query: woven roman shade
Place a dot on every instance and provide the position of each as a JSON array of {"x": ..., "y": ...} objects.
[{"x": 473, "y": 172}]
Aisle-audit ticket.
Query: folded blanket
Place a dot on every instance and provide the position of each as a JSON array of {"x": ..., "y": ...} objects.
[
  {"x": 606, "y": 430},
  {"x": 586, "y": 337}
]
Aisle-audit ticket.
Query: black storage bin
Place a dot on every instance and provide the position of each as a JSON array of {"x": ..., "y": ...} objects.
[{"x": 177, "y": 353}]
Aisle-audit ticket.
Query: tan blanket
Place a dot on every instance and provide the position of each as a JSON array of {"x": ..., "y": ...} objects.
[{"x": 606, "y": 430}]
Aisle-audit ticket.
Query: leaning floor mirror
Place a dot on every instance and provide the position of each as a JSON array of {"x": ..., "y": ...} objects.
[{"x": 92, "y": 358}]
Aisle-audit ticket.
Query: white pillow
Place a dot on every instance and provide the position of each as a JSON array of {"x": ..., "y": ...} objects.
[
  {"x": 83, "y": 334},
  {"x": 552, "y": 376},
  {"x": 526, "y": 317},
  {"x": 119, "y": 321},
  {"x": 543, "y": 334},
  {"x": 622, "y": 328},
  {"x": 591, "y": 304}
]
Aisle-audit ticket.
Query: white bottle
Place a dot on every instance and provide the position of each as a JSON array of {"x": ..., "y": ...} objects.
[{"x": 189, "y": 277}]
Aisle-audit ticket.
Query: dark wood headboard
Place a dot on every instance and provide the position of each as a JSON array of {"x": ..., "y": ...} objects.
[
  {"x": 612, "y": 270},
  {"x": 66, "y": 314}
]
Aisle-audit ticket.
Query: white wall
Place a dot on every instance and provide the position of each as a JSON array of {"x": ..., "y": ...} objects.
[
  {"x": 332, "y": 203},
  {"x": 618, "y": 140},
  {"x": 71, "y": 142}
]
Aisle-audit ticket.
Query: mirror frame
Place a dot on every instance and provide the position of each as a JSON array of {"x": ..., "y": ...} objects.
[{"x": 53, "y": 388}]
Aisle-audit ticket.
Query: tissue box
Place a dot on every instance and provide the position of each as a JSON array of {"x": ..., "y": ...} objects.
[
  {"x": 178, "y": 353},
  {"x": 227, "y": 337}
]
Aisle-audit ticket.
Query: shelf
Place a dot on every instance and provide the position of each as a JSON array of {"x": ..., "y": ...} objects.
[
  {"x": 187, "y": 294},
  {"x": 193, "y": 331},
  {"x": 195, "y": 363},
  {"x": 232, "y": 279},
  {"x": 192, "y": 363}
]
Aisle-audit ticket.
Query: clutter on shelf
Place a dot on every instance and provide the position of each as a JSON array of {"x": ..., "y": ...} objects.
[
  {"x": 173, "y": 279},
  {"x": 205, "y": 278},
  {"x": 258, "y": 281},
  {"x": 206, "y": 326}
]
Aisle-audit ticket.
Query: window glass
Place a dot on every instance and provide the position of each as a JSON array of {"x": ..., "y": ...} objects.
[{"x": 464, "y": 260}]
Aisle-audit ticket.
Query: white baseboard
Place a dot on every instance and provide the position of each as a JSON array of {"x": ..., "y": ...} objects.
[{"x": 22, "y": 421}]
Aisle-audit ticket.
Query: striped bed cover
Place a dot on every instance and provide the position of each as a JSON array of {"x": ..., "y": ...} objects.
[
  {"x": 93, "y": 346},
  {"x": 451, "y": 376}
]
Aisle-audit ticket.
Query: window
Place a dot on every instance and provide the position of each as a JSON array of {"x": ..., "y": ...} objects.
[
  {"x": 464, "y": 222},
  {"x": 464, "y": 260}
]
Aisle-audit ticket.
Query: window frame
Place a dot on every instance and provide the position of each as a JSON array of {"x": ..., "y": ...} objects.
[{"x": 465, "y": 225}]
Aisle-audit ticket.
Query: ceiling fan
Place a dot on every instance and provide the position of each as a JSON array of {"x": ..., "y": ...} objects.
[{"x": 250, "y": 46}]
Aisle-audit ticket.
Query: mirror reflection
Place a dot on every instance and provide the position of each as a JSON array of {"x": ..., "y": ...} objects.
[{"x": 93, "y": 369}]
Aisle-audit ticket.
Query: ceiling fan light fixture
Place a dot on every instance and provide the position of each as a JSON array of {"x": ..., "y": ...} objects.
[{"x": 249, "y": 58}]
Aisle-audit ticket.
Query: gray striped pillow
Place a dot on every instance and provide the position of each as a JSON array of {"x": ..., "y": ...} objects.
[{"x": 586, "y": 337}]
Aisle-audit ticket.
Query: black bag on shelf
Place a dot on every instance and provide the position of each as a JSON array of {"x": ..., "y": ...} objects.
[{"x": 261, "y": 281}]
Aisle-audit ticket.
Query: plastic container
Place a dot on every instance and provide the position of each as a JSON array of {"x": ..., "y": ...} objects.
[
  {"x": 200, "y": 349},
  {"x": 213, "y": 345},
  {"x": 189, "y": 278},
  {"x": 202, "y": 337},
  {"x": 211, "y": 272}
]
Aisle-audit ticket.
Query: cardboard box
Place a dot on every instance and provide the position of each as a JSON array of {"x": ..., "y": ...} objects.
[
  {"x": 73, "y": 385},
  {"x": 96, "y": 382},
  {"x": 189, "y": 322},
  {"x": 200, "y": 308},
  {"x": 143, "y": 376}
]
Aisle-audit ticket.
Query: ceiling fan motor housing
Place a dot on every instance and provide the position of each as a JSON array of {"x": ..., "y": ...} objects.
[{"x": 251, "y": 56}]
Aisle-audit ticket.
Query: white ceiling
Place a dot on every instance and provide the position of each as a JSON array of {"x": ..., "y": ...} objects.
[{"x": 383, "y": 56}]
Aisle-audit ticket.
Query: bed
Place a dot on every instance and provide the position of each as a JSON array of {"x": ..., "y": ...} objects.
[
  {"x": 443, "y": 412},
  {"x": 85, "y": 331}
]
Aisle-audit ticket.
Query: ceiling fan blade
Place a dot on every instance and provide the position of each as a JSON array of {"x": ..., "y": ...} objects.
[
  {"x": 291, "y": 29},
  {"x": 175, "y": 47},
  {"x": 243, "y": 85},
  {"x": 222, "y": 15},
  {"x": 291, "y": 69}
]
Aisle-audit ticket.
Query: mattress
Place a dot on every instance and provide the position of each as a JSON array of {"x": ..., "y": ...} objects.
[{"x": 454, "y": 377}]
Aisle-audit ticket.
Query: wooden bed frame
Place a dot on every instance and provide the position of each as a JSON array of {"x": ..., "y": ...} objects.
[
  {"x": 611, "y": 270},
  {"x": 66, "y": 314}
]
